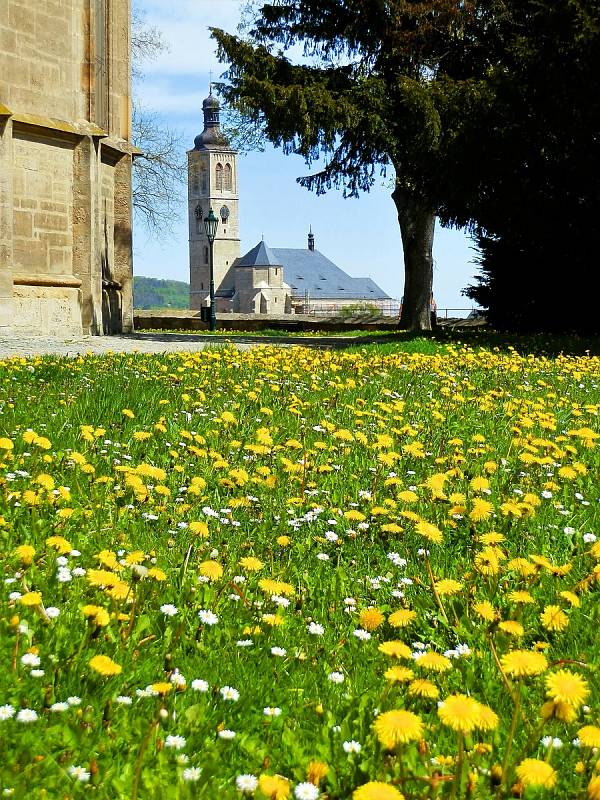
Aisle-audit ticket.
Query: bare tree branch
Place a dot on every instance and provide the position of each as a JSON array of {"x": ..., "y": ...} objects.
[{"x": 160, "y": 173}]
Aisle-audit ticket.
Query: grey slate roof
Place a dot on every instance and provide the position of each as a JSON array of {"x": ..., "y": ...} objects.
[
  {"x": 259, "y": 256},
  {"x": 310, "y": 271}
]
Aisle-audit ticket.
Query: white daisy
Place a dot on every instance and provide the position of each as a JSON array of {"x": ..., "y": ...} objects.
[
  {"x": 246, "y": 784},
  {"x": 79, "y": 773},
  {"x": 191, "y": 774},
  {"x": 175, "y": 742},
  {"x": 208, "y": 617},
  {"x": 306, "y": 791}
]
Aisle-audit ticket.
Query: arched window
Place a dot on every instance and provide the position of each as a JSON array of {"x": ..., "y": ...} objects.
[
  {"x": 219, "y": 178},
  {"x": 203, "y": 180},
  {"x": 195, "y": 183},
  {"x": 227, "y": 179}
]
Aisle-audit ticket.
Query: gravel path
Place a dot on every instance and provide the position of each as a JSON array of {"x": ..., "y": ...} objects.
[{"x": 99, "y": 345}]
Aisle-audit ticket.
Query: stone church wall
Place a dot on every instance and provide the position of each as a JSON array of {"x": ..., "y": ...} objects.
[{"x": 65, "y": 166}]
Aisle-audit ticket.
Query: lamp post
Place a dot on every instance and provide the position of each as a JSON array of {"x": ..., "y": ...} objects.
[{"x": 210, "y": 226}]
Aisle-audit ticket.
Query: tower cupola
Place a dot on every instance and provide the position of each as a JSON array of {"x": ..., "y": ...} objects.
[{"x": 212, "y": 135}]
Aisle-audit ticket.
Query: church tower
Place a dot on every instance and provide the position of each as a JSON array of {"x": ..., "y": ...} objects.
[{"x": 212, "y": 183}]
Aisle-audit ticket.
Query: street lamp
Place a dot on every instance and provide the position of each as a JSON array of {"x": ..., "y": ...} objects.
[{"x": 210, "y": 225}]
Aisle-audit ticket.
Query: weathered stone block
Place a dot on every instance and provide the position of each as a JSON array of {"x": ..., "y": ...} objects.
[{"x": 23, "y": 224}]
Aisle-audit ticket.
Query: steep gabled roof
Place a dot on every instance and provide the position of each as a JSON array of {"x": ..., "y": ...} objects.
[
  {"x": 259, "y": 256},
  {"x": 310, "y": 271}
]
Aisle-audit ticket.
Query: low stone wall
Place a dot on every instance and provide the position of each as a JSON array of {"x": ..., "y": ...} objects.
[{"x": 190, "y": 321}]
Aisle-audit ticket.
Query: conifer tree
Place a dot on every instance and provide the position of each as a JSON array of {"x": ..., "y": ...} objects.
[{"x": 371, "y": 95}]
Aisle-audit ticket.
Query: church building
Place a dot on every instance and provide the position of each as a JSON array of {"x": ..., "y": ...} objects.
[
  {"x": 65, "y": 167},
  {"x": 264, "y": 280}
]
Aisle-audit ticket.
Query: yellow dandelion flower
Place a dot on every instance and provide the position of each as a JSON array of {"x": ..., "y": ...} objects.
[
  {"x": 376, "y": 790},
  {"x": 481, "y": 510},
  {"x": 487, "y": 562},
  {"x": 6, "y": 444},
  {"x": 423, "y": 688},
  {"x": 391, "y": 527},
  {"x": 533, "y": 772},
  {"x": 520, "y": 597},
  {"x": 479, "y": 484},
  {"x": 485, "y": 610},
  {"x": 568, "y": 473},
  {"x": 429, "y": 531},
  {"x": 127, "y": 412},
  {"x": 251, "y": 564},
  {"x": 398, "y": 727},
  {"x": 399, "y": 674},
  {"x": 102, "y": 577},
  {"x": 316, "y": 771},
  {"x": 571, "y": 598},
  {"x": 199, "y": 529},
  {"x": 567, "y": 687},
  {"x": 273, "y": 620},
  {"x": 521, "y": 565},
  {"x": 589, "y": 736},
  {"x": 119, "y": 591},
  {"x": 211, "y": 569},
  {"x": 448, "y": 587},
  {"x": 59, "y": 543},
  {"x": 491, "y": 538},
  {"x": 371, "y": 618},
  {"x": 561, "y": 711},
  {"x": 270, "y": 586},
  {"x": 97, "y": 614},
  {"x": 488, "y": 719},
  {"x": 459, "y": 712},
  {"x": 25, "y": 553},
  {"x": 274, "y": 786},
  {"x": 157, "y": 573},
  {"x": 593, "y": 789},
  {"x": 512, "y": 627},
  {"x": 402, "y": 617},
  {"x": 510, "y": 509},
  {"x": 434, "y": 662},
  {"x": 523, "y": 663},
  {"x": 283, "y": 541},
  {"x": 407, "y": 496},
  {"x": 162, "y": 687},
  {"x": 395, "y": 649},
  {"x": 105, "y": 666},
  {"x": 354, "y": 516},
  {"x": 30, "y": 599},
  {"x": 45, "y": 481},
  {"x": 554, "y": 618}
]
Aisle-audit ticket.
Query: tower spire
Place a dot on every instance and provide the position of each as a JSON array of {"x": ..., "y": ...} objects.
[{"x": 311, "y": 239}]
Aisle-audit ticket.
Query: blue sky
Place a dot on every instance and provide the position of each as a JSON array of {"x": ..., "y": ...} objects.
[{"x": 360, "y": 235}]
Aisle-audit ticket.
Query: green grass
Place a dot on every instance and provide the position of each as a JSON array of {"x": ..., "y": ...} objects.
[{"x": 377, "y": 463}]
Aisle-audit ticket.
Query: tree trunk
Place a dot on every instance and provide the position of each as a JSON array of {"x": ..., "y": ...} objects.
[{"x": 417, "y": 224}]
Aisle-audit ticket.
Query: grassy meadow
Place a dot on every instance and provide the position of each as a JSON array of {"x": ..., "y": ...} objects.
[{"x": 357, "y": 575}]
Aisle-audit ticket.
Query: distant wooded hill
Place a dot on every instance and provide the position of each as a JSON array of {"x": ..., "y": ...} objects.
[{"x": 155, "y": 293}]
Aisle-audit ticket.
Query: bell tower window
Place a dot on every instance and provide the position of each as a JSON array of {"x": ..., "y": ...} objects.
[
  {"x": 203, "y": 180},
  {"x": 227, "y": 179},
  {"x": 219, "y": 178}
]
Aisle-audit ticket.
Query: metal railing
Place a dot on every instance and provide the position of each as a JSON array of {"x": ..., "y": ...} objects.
[{"x": 385, "y": 309}]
